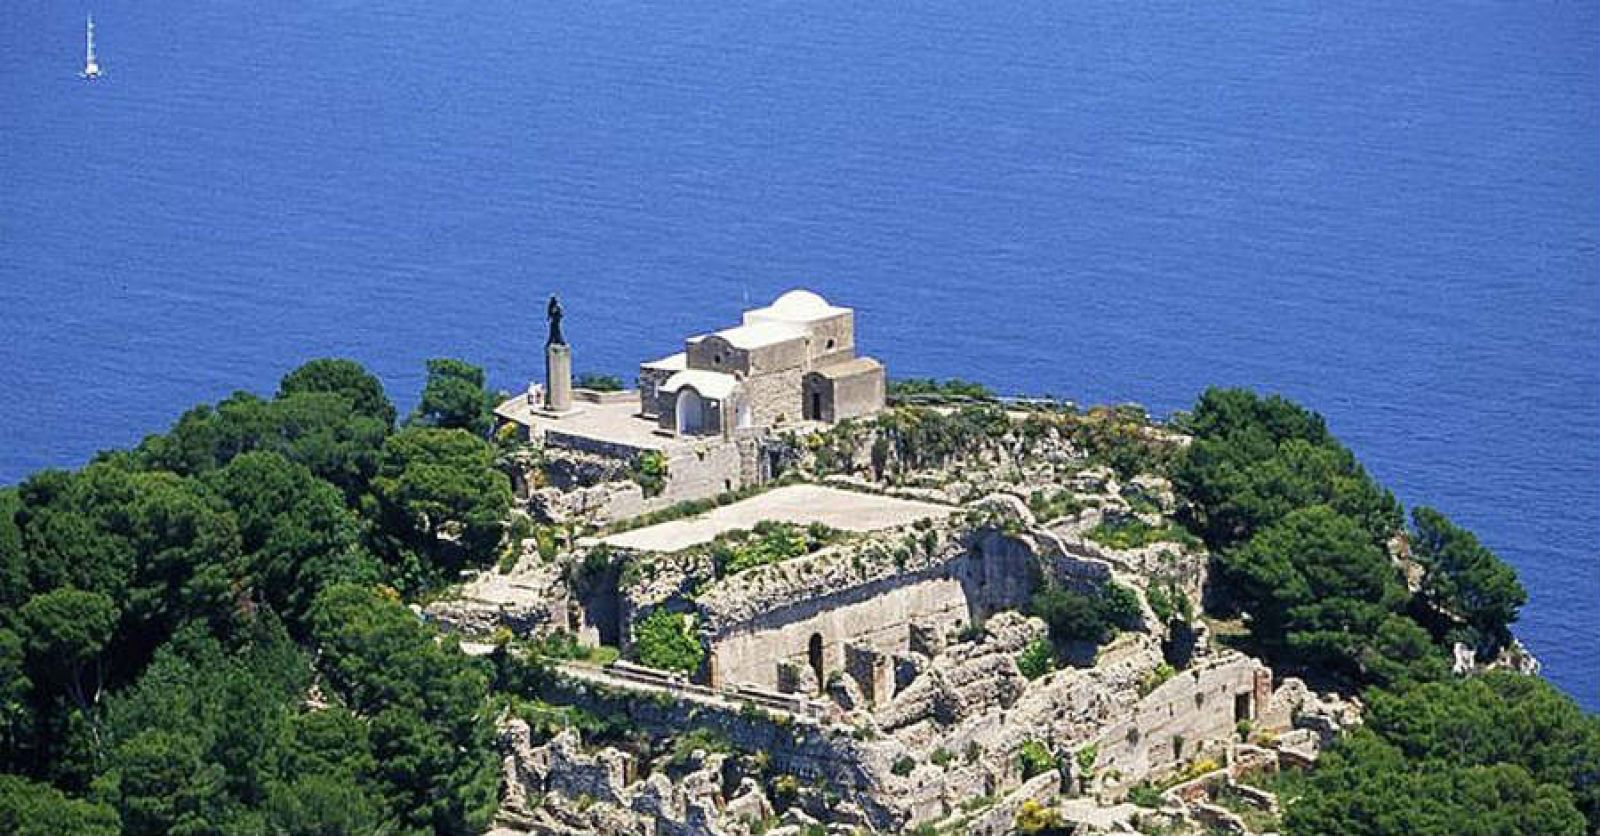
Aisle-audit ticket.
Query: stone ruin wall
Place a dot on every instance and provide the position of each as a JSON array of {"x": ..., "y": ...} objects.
[
  {"x": 880, "y": 619},
  {"x": 818, "y": 755},
  {"x": 989, "y": 573},
  {"x": 1196, "y": 708},
  {"x": 703, "y": 470}
]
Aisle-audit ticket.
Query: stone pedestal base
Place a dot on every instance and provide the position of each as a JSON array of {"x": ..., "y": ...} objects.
[{"x": 558, "y": 378}]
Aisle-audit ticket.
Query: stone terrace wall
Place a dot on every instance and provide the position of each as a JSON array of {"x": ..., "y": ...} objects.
[
  {"x": 818, "y": 755},
  {"x": 1201, "y": 704},
  {"x": 868, "y": 593}
]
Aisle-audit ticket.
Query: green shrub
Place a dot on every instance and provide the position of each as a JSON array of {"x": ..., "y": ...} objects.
[
  {"x": 1035, "y": 759},
  {"x": 928, "y": 390},
  {"x": 650, "y": 472},
  {"x": 1144, "y": 795},
  {"x": 941, "y": 757},
  {"x": 1134, "y": 533},
  {"x": 706, "y": 739},
  {"x": 1037, "y": 659},
  {"x": 1155, "y": 677},
  {"x": 903, "y": 765},
  {"x": 1086, "y": 758},
  {"x": 598, "y": 382},
  {"x": 667, "y": 640}
]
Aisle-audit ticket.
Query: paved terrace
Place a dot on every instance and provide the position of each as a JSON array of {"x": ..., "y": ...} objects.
[
  {"x": 801, "y": 504},
  {"x": 615, "y": 420}
]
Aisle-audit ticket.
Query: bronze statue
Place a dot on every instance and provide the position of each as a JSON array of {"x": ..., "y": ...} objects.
[{"x": 553, "y": 313}]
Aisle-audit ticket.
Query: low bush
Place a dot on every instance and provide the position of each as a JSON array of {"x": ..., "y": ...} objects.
[
  {"x": 598, "y": 382},
  {"x": 667, "y": 640},
  {"x": 1035, "y": 759},
  {"x": 1134, "y": 533},
  {"x": 650, "y": 472},
  {"x": 1037, "y": 659}
]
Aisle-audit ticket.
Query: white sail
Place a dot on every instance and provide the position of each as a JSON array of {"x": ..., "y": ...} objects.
[{"x": 91, "y": 67}]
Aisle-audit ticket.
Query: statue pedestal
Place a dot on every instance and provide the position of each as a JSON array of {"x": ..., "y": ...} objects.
[{"x": 558, "y": 378}]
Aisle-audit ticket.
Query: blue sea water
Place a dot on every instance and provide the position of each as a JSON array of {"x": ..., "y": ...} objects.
[{"x": 1388, "y": 211}]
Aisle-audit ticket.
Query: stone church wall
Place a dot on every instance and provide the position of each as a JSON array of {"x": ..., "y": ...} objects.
[
  {"x": 859, "y": 395},
  {"x": 774, "y": 396}
]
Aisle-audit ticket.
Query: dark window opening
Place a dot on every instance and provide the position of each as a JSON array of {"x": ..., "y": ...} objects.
[
  {"x": 1241, "y": 707},
  {"x": 814, "y": 655}
]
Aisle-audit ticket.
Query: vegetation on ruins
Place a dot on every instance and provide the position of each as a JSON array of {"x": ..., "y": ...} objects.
[
  {"x": 1168, "y": 601},
  {"x": 165, "y": 612},
  {"x": 649, "y": 471},
  {"x": 768, "y": 542},
  {"x": 1134, "y": 533},
  {"x": 667, "y": 640},
  {"x": 910, "y": 438},
  {"x": 1093, "y": 617}
]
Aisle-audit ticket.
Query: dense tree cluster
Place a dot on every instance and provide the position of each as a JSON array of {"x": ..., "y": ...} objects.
[
  {"x": 1307, "y": 542},
  {"x": 1317, "y": 555},
  {"x": 1496, "y": 755},
  {"x": 204, "y": 635}
]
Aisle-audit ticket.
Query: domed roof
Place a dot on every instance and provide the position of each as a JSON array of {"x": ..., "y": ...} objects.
[{"x": 801, "y": 304}]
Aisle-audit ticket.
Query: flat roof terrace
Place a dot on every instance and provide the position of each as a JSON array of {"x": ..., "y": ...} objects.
[
  {"x": 614, "y": 419},
  {"x": 800, "y": 504}
]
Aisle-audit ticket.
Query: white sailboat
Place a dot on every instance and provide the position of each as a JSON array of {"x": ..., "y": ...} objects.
[{"x": 91, "y": 67}]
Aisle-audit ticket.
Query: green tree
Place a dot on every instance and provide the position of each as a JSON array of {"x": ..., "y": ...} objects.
[
  {"x": 342, "y": 377},
  {"x": 1463, "y": 579},
  {"x": 322, "y": 805},
  {"x": 14, "y": 586},
  {"x": 455, "y": 398},
  {"x": 296, "y": 534},
  {"x": 162, "y": 785},
  {"x": 16, "y": 692},
  {"x": 1315, "y": 586},
  {"x": 1366, "y": 787},
  {"x": 430, "y": 725},
  {"x": 1493, "y": 719},
  {"x": 66, "y": 633},
  {"x": 1254, "y": 460},
  {"x": 442, "y": 499},
  {"x": 28, "y": 808}
]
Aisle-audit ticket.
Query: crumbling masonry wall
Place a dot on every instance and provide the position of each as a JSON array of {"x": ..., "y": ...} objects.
[{"x": 932, "y": 595}]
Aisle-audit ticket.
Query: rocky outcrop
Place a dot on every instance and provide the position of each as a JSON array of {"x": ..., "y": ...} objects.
[{"x": 533, "y": 601}]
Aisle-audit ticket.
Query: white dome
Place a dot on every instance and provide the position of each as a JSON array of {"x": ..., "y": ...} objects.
[{"x": 801, "y": 304}]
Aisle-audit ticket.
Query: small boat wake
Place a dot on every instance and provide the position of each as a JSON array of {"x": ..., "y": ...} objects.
[{"x": 91, "y": 67}]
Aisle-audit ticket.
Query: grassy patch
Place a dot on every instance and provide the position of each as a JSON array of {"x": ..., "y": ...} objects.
[{"x": 1134, "y": 533}]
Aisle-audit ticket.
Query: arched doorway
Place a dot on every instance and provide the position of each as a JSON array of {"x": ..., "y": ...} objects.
[
  {"x": 691, "y": 412},
  {"x": 814, "y": 656}
]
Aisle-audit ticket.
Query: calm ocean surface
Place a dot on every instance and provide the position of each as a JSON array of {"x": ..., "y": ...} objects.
[{"x": 1389, "y": 213}]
